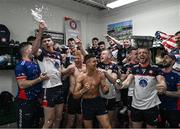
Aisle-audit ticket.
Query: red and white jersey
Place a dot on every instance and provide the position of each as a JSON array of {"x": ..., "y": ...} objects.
[{"x": 145, "y": 93}]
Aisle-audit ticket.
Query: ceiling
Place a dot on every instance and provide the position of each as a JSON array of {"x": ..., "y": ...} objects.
[
  {"x": 86, "y": 5},
  {"x": 99, "y": 4}
]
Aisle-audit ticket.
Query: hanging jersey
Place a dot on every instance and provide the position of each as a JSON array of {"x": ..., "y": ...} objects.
[
  {"x": 51, "y": 63},
  {"x": 145, "y": 93},
  {"x": 28, "y": 70}
]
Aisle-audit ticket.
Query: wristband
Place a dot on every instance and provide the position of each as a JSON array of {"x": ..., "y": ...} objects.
[{"x": 119, "y": 82}]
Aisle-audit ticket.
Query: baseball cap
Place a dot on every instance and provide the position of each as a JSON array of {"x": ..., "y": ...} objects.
[{"x": 171, "y": 55}]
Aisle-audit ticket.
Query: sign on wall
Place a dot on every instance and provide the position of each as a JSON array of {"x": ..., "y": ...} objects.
[
  {"x": 72, "y": 28},
  {"x": 120, "y": 30},
  {"x": 57, "y": 37}
]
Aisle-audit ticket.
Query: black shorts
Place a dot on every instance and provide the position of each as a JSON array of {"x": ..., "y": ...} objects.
[
  {"x": 28, "y": 113},
  {"x": 171, "y": 116},
  {"x": 93, "y": 107},
  {"x": 54, "y": 96},
  {"x": 129, "y": 103},
  {"x": 110, "y": 104},
  {"x": 74, "y": 105},
  {"x": 149, "y": 116}
]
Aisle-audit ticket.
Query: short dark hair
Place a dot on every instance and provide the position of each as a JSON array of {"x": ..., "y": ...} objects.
[
  {"x": 95, "y": 38},
  {"x": 101, "y": 43},
  {"x": 131, "y": 49},
  {"x": 71, "y": 39},
  {"x": 177, "y": 33},
  {"x": 45, "y": 36},
  {"x": 23, "y": 46},
  {"x": 87, "y": 57},
  {"x": 31, "y": 38},
  {"x": 171, "y": 55}
]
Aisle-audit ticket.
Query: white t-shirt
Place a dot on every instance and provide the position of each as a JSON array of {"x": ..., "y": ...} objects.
[{"x": 51, "y": 63}]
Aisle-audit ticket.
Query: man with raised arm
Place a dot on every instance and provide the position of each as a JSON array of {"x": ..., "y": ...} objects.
[{"x": 51, "y": 63}]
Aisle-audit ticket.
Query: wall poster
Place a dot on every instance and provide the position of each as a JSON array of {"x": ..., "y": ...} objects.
[
  {"x": 72, "y": 28},
  {"x": 120, "y": 30}
]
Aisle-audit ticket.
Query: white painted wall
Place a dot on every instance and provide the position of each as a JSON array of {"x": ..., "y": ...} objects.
[
  {"x": 16, "y": 15},
  {"x": 147, "y": 17}
]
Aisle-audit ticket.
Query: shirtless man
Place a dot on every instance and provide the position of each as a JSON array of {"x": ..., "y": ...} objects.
[
  {"x": 87, "y": 87},
  {"x": 74, "y": 105}
]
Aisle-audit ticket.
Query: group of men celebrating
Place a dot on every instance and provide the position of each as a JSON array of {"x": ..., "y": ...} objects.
[{"x": 94, "y": 84}]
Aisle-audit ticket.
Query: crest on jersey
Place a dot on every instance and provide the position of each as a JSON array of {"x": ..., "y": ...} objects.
[
  {"x": 143, "y": 82},
  {"x": 150, "y": 72}
]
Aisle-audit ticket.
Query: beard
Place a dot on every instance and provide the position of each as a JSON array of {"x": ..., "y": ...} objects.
[
  {"x": 142, "y": 61},
  {"x": 178, "y": 43},
  {"x": 166, "y": 65}
]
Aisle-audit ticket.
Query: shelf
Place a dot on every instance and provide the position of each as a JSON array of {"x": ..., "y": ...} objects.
[{"x": 13, "y": 56}]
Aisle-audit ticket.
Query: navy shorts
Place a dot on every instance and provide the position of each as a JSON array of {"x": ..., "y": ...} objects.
[
  {"x": 150, "y": 116},
  {"x": 110, "y": 104},
  {"x": 74, "y": 105},
  {"x": 93, "y": 107},
  {"x": 171, "y": 116},
  {"x": 54, "y": 96}
]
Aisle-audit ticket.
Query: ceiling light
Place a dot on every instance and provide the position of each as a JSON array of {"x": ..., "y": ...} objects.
[{"x": 119, "y": 3}]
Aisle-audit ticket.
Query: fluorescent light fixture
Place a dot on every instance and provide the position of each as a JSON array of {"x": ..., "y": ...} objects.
[{"x": 119, "y": 3}]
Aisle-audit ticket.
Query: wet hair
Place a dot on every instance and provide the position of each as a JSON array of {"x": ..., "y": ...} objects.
[
  {"x": 87, "y": 57},
  {"x": 101, "y": 43},
  {"x": 131, "y": 49},
  {"x": 23, "y": 46},
  {"x": 31, "y": 38},
  {"x": 71, "y": 39},
  {"x": 78, "y": 53},
  {"x": 45, "y": 36},
  {"x": 177, "y": 33},
  {"x": 95, "y": 38},
  {"x": 109, "y": 53}
]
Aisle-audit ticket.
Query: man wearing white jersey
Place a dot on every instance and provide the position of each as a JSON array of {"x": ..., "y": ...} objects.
[
  {"x": 51, "y": 65},
  {"x": 148, "y": 82}
]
